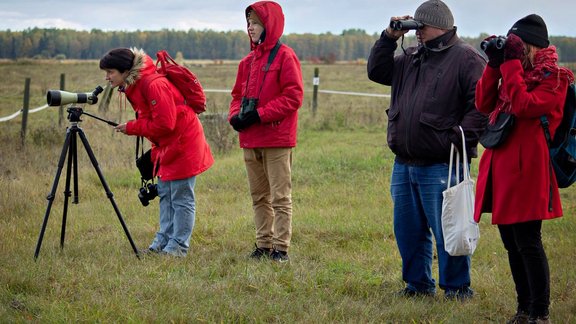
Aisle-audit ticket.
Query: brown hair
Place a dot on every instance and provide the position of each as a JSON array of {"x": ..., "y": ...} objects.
[{"x": 120, "y": 59}]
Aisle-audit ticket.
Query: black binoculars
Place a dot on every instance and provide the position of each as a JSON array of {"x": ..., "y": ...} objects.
[
  {"x": 147, "y": 193},
  {"x": 406, "y": 24},
  {"x": 496, "y": 42},
  {"x": 248, "y": 104}
]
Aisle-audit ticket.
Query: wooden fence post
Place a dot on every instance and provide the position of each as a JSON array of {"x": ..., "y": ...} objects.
[
  {"x": 316, "y": 83},
  {"x": 61, "y": 110},
  {"x": 106, "y": 97},
  {"x": 25, "y": 107}
]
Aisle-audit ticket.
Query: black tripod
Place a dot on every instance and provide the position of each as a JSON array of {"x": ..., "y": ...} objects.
[{"x": 70, "y": 148}]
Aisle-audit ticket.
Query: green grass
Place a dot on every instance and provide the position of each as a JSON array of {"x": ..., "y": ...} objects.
[{"x": 345, "y": 265}]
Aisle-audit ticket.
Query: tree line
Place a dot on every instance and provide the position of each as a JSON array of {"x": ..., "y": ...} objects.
[{"x": 350, "y": 45}]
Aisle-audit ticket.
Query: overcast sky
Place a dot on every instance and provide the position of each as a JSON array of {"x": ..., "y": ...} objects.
[{"x": 302, "y": 16}]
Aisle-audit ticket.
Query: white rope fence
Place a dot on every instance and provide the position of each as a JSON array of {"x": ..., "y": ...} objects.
[
  {"x": 16, "y": 114},
  {"x": 356, "y": 93}
]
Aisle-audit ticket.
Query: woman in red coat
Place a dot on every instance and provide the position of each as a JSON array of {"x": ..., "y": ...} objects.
[
  {"x": 179, "y": 149},
  {"x": 515, "y": 181}
]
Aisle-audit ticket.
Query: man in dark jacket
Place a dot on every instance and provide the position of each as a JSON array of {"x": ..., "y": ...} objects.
[{"x": 433, "y": 86}]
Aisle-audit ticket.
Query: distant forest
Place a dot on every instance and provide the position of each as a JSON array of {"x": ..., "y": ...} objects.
[{"x": 350, "y": 45}]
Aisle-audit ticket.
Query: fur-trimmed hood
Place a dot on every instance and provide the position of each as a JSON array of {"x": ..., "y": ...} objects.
[
  {"x": 142, "y": 65},
  {"x": 272, "y": 17}
]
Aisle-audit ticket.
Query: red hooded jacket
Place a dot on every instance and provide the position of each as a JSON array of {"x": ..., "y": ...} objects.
[
  {"x": 280, "y": 92},
  {"x": 176, "y": 134},
  {"x": 515, "y": 182}
]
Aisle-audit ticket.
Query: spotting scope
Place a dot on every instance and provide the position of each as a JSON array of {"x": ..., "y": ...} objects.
[{"x": 59, "y": 97}]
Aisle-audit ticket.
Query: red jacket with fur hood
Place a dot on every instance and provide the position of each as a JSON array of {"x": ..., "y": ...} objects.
[
  {"x": 279, "y": 91},
  {"x": 176, "y": 134}
]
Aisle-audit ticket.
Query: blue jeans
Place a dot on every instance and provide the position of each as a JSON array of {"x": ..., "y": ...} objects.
[
  {"x": 417, "y": 197},
  {"x": 177, "y": 216}
]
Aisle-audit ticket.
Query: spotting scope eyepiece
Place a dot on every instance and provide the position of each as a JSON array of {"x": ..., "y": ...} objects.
[{"x": 59, "y": 97}]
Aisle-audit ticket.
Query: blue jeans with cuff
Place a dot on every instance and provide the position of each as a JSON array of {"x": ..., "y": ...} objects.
[
  {"x": 177, "y": 216},
  {"x": 417, "y": 197}
]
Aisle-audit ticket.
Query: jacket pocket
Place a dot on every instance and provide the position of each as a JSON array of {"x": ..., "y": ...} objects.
[
  {"x": 393, "y": 138},
  {"x": 437, "y": 133},
  {"x": 392, "y": 113},
  {"x": 438, "y": 122}
]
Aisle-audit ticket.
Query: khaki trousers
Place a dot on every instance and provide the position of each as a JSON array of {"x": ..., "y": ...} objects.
[{"x": 270, "y": 179}]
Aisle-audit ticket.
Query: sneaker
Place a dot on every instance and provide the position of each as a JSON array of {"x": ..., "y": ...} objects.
[
  {"x": 175, "y": 253},
  {"x": 148, "y": 251},
  {"x": 279, "y": 256},
  {"x": 461, "y": 294},
  {"x": 260, "y": 253},
  {"x": 539, "y": 320},
  {"x": 410, "y": 293},
  {"x": 520, "y": 317}
]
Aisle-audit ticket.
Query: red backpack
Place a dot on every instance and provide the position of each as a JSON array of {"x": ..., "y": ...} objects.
[{"x": 183, "y": 79}]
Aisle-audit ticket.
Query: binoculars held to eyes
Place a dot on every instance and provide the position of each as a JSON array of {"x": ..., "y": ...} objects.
[
  {"x": 406, "y": 24},
  {"x": 496, "y": 42}
]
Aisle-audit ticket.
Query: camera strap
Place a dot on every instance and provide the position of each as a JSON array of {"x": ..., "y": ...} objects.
[
  {"x": 271, "y": 57},
  {"x": 139, "y": 146},
  {"x": 144, "y": 161}
]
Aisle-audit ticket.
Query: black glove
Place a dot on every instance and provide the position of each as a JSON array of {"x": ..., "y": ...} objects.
[
  {"x": 235, "y": 122},
  {"x": 495, "y": 55},
  {"x": 248, "y": 119},
  {"x": 514, "y": 48}
]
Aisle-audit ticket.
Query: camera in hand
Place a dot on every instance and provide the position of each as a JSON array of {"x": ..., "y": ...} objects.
[
  {"x": 406, "y": 24},
  {"x": 147, "y": 193},
  {"x": 248, "y": 104},
  {"x": 496, "y": 42}
]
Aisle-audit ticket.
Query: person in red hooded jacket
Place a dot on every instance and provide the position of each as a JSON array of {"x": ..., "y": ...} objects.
[
  {"x": 515, "y": 181},
  {"x": 179, "y": 148},
  {"x": 264, "y": 110}
]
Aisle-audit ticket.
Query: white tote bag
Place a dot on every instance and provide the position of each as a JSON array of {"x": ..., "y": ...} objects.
[{"x": 461, "y": 232}]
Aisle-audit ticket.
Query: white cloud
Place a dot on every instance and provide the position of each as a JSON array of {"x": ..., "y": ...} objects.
[{"x": 302, "y": 16}]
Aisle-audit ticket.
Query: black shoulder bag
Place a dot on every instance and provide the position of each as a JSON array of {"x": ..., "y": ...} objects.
[
  {"x": 495, "y": 134},
  {"x": 144, "y": 161}
]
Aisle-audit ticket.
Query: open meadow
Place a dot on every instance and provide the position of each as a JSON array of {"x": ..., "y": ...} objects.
[{"x": 345, "y": 267}]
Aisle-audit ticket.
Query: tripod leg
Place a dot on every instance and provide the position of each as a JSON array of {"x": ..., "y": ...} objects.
[
  {"x": 74, "y": 151},
  {"x": 72, "y": 163},
  {"x": 74, "y": 156},
  {"x": 50, "y": 196},
  {"x": 107, "y": 189}
]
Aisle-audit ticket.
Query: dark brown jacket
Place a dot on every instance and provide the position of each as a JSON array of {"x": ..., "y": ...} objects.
[{"x": 432, "y": 94}]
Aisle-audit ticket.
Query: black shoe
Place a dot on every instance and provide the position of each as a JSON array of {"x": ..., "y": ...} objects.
[
  {"x": 519, "y": 318},
  {"x": 539, "y": 320},
  {"x": 461, "y": 294},
  {"x": 260, "y": 253},
  {"x": 279, "y": 256},
  {"x": 409, "y": 293}
]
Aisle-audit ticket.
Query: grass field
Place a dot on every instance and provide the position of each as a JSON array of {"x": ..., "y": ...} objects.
[{"x": 344, "y": 266}]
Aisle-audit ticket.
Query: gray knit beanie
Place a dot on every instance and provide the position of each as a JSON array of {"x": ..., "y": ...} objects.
[{"x": 435, "y": 13}]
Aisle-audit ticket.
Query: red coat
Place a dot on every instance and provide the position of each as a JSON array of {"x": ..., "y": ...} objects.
[
  {"x": 514, "y": 180},
  {"x": 176, "y": 134},
  {"x": 280, "y": 92}
]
